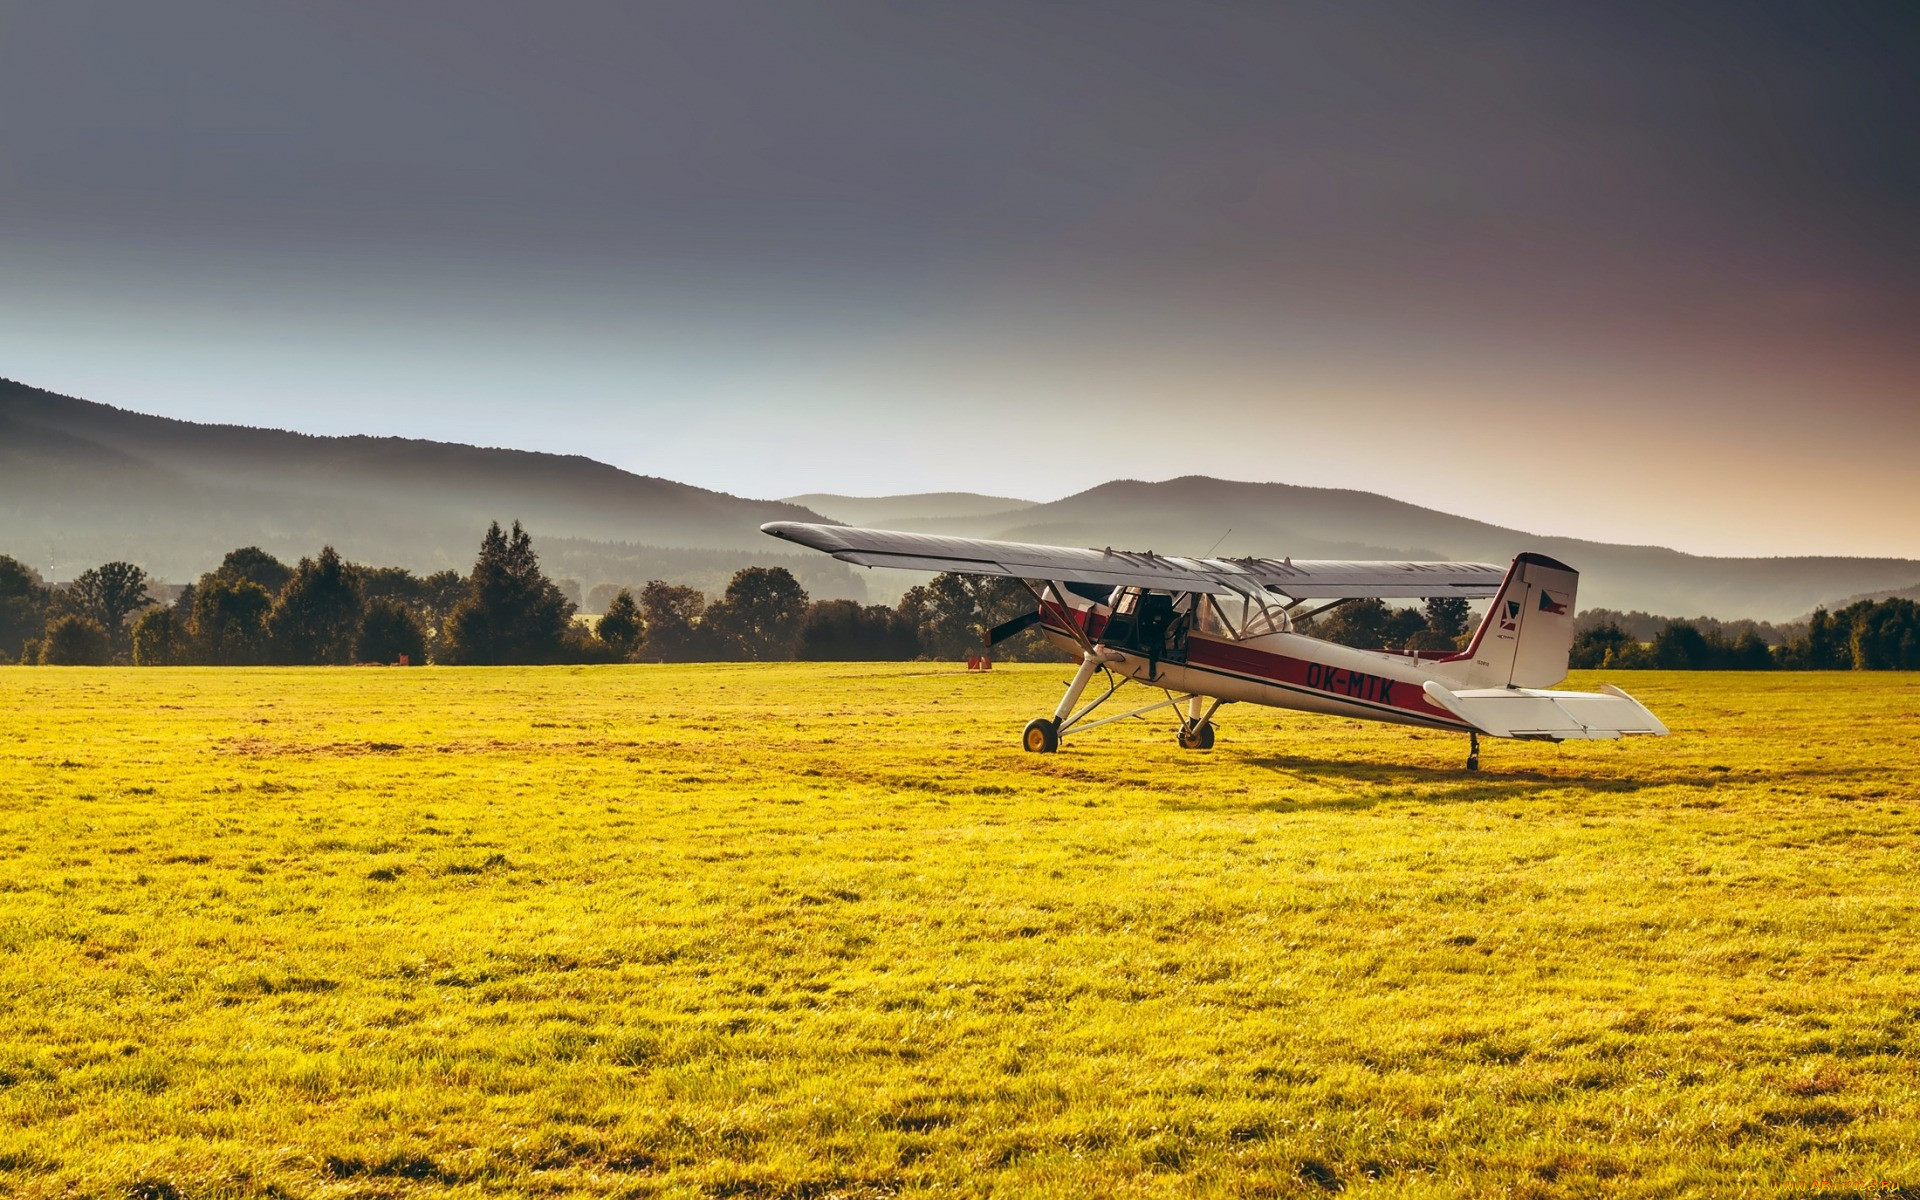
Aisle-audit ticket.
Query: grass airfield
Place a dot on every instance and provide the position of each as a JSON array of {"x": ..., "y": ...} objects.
[{"x": 824, "y": 930}]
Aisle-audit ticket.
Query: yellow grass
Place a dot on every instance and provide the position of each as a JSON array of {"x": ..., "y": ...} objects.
[{"x": 824, "y": 930}]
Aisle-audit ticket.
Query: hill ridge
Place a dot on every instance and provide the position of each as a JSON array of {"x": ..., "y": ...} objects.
[
  {"x": 90, "y": 482},
  {"x": 1188, "y": 514},
  {"x": 102, "y": 482}
]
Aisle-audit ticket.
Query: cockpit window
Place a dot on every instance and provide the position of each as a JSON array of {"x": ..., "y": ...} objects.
[
  {"x": 1266, "y": 620},
  {"x": 1238, "y": 617},
  {"x": 1210, "y": 621}
]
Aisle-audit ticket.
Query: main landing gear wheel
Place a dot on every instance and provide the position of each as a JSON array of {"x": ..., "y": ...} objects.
[
  {"x": 1042, "y": 736},
  {"x": 1196, "y": 737}
]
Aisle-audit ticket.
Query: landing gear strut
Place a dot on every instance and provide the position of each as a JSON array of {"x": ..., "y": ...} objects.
[
  {"x": 1196, "y": 732},
  {"x": 1042, "y": 736},
  {"x": 1473, "y": 750}
]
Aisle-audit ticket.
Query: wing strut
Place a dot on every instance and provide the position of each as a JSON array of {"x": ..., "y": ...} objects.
[{"x": 1324, "y": 608}]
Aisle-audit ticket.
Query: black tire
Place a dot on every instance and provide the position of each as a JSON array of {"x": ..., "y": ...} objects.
[
  {"x": 1041, "y": 737},
  {"x": 1196, "y": 737}
]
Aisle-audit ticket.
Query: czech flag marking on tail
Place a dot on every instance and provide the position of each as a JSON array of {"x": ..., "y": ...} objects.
[{"x": 1549, "y": 604}]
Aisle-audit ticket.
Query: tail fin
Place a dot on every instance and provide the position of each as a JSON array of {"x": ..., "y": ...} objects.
[{"x": 1528, "y": 630}]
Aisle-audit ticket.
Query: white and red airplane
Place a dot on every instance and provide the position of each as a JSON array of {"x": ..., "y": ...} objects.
[{"x": 1211, "y": 631}]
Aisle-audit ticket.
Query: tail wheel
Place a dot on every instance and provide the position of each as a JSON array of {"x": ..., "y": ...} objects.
[
  {"x": 1042, "y": 737},
  {"x": 1196, "y": 737}
]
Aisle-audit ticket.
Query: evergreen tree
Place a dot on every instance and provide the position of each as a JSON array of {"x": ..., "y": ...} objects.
[
  {"x": 318, "y": 613},
  {"x": 620, "y": 628},
  {"x": 1827, "y": 646},
  {"x": 512, "y": 612}
]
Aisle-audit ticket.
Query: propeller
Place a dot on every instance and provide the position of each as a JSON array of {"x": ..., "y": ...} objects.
[{"x": 1006, "y": 629}]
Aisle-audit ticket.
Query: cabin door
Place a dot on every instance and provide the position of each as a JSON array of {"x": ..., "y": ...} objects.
[{"x": 1149, "y": 623}]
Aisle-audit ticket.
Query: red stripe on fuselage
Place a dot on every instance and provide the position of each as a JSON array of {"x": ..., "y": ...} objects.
[
  {"x": 1367, "y": 688},
  {"x": 1341, "y": 683}
]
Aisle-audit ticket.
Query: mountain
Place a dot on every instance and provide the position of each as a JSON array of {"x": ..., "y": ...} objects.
[
  {"x": 86, "y": 483},
  {"x": 1191, "y": 514},
  {"x": 886, "y": 512}
]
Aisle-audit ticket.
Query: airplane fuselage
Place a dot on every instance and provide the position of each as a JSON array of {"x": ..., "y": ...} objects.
[{"x": 1283, "y": 670}]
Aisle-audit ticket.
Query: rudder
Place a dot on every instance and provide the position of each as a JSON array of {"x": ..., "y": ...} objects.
[{"x": 1527, "y": 633}]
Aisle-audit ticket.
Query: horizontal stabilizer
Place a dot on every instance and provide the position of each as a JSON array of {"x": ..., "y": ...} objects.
[{"x": 1548, "y": 716}]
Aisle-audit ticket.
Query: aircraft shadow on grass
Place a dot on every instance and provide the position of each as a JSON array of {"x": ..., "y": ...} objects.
[
  {"x": 1364, "y": 786},
  {"x": 1370, "y": 784}
]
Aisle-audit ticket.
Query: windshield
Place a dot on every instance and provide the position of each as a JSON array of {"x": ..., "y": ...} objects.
[
  {"x": 1266, "y": 620},
  {"x": 1238, "y": 617}
]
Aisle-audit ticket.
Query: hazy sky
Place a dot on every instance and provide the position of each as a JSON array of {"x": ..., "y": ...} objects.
[{"x": 1638, "y": 273}]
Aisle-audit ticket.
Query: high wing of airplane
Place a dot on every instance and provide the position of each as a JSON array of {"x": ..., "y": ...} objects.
[{"x": 1212, "y": 631}]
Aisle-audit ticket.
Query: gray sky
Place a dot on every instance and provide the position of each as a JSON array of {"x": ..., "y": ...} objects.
[{"x": 1641, "y": 273}]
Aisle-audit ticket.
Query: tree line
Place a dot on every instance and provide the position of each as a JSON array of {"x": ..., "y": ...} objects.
[
  {"x": 1867, "y": 635},
  {"x": 1443, "y": 624},
  {"x": 254, "y": 609}
]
